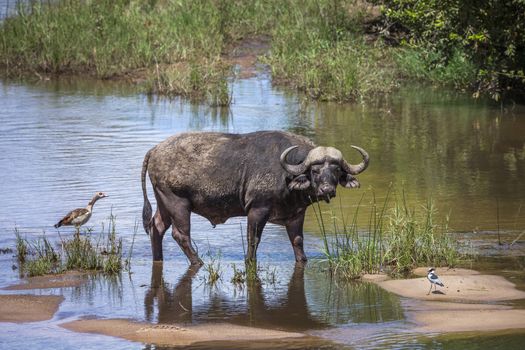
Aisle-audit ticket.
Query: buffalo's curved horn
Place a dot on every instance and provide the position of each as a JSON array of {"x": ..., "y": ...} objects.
[
  {"x": 359, "y": 168},
  {"x": 292, "y": 169}
]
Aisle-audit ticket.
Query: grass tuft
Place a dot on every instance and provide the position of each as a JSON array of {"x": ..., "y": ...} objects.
[
  {"x": 86, "y": 253},
  {"x": 212, "y": 267},
  {"x": 239, "y": 276},
  {"x": 397, "y": 240}
]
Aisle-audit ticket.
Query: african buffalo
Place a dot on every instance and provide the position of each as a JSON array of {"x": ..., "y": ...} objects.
[{"x": 268, "y": 176}]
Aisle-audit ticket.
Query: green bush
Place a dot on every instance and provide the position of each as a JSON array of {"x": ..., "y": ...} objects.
[{"x": 488, "y": 36}]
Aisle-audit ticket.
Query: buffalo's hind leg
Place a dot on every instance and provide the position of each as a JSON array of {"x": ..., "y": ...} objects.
[
  {"x": 179, "y": 210},
  {"x": 159, "y": 224}
]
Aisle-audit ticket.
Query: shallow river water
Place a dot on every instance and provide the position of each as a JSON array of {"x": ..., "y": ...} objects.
[{"x": 61, "y": 141}]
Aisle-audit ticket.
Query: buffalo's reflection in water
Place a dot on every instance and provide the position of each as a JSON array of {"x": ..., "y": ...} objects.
[{"x": 300, "y": 305}]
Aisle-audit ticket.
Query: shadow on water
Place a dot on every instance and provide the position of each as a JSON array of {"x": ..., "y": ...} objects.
[
  {"x": 175, "y": 305},
  {"x": 299, "y": 306}
]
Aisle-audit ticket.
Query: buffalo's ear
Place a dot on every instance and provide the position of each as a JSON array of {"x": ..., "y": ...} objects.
[
  {"x": 348, "y": 181},
  {"x": 299, "y": 183}
]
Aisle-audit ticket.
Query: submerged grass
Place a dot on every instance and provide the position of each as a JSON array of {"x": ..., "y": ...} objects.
[
  {"x": 397, "y": 239},
  {"x": 86, "y": 253},
  {"x": 213, "y": 269}
]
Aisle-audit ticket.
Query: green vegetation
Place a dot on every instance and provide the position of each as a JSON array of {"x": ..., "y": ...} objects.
[
  {"x": 330, "y": 49},
  {"x": 177, "y": 43},
  {"x": 318, "y": 47},
  {"x": 483, "y": 41},
  {"x": 86, "y": 253},
  {"x": 213, "y": 269},
  {"x": 397, "y": 240},
  {"x": 239, "y": 276},
  {"x": 21, "y": 247}
]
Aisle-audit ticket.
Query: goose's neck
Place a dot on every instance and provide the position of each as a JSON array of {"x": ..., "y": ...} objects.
[{"x": 91, "y": 203}]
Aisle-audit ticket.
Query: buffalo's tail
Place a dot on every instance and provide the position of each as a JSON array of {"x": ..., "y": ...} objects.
[{"x": 146, "y": 209}]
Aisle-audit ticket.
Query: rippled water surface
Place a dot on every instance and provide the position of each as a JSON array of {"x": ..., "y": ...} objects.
[{"x": 60, "y": 142}]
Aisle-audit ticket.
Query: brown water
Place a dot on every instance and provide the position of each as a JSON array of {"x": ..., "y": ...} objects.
[{"x": 62, "y": 141}]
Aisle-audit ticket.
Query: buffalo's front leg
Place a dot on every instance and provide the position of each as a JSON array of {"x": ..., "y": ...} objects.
[
  {"x": 257, "y": 218},
  {"x": 294, "y": 228}
]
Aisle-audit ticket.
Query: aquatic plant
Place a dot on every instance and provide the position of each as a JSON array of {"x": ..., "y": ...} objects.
[
  {"x": 21, "y": 247},
  {"x": 212, "y": 266},
  {"x": 47, "y": 259},
  {"x": 80, "y": 252},
  {"x": 130, "y": 252},
  {"x": 397, "y": 240},
  {"x": 270, "y": 275},
  {"x": 239, "y": 276}
]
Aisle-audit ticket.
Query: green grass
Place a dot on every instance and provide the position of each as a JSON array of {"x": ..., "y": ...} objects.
[
  {"x": 318, "y": 47},
  {"x": 397, "y": 239},
  {"x": 239, "y": 276},
  {"x": 179, "y": 47},
  {"x": 101, "y": 253},
  {"x": 212, "y": 267},
  {"x": 21, "y": 247},
  {"x": 116, "y": 38},
  {"x": 417, "y": 64}
]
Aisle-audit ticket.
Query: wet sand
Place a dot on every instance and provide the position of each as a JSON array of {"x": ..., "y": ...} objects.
[
  {"x": 461, "y": 285},
  {"x": 458, "y": 317},
  {"x": 176, "y": 335},
  {"x": 28, "y": 308},
  {"x": 460, "y": 306},
  {"x": 68, "y": 279}
]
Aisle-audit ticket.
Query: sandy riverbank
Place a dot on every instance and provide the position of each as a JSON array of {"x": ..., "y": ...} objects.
[
  {"x": 176, "y": 335},
  {"x": 461, "y": 285},
  {"x": 28, "y": 308},
  {"x": 462, "y": 305},
  {"x": 65, "y": 280}
]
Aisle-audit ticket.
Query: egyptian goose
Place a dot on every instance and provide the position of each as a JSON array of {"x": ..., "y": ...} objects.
[{"x": 80, "y": 216}]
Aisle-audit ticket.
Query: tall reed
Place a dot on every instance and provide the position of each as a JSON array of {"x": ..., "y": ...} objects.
[{"x": 396, "y": 240}]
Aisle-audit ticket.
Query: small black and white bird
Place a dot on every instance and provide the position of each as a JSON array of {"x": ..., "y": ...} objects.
[{"x": 434, "y": 279}]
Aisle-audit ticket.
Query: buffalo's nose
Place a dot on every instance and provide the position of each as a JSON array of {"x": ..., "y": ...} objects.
[{"x": 326, "y": 190}]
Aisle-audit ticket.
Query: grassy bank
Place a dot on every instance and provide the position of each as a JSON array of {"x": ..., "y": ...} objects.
[
  {"x": 321, "y": 47},
  {"x": 172, "y": 48},
  {"x": 398, "y": 238},
  {"x": 87, "y": 252}
]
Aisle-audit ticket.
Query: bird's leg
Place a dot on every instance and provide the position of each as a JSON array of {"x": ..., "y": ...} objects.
[{"x": 429, "y": 289}]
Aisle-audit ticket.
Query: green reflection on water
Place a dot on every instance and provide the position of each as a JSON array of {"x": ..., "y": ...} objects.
[{"x": 468, "y": 156}]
